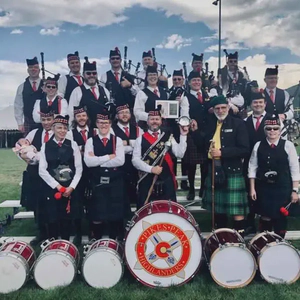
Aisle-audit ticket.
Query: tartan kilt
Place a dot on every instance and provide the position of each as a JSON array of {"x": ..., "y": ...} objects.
[
  {"x": 231, "y": 200},
  {"x": 192, "y": 155}
]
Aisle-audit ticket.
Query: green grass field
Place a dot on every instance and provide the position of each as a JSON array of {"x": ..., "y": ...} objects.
[{"x": 201, "y": 287}]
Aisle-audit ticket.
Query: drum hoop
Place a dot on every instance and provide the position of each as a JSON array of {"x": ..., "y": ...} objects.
[
  {"x": 242, "y": 284},
  {"x": 265, "y": 248},
  {"x": 261, "y": 234},
  {"x": 18, "y": 257}
]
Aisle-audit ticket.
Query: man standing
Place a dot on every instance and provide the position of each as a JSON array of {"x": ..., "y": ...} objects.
[
  {"x": 277, "y": 99},
  {"x": 225, "y": 140},
  {"x": 149, "y": 148},
  {"x": 197, "y": 65},
  {"x": 27, "y": 93},
  {"x": 104, "y": 155},
  {"x": 68, "y": 83},
  {"x": 120, "y": 84},
  {"x": 31, "y": 180},
  {"x": 90, "y": 94}
]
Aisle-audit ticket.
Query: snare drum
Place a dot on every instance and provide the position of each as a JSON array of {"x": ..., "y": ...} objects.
[
  {"x": 278, "y": 261},
  {"x": 16, "y": 261},
  {"x": 163, "y": 245},
  {"x": 230, "y": 263},
  {"x": 102, "y": 265},
  {"x": 57, "y": 264}
]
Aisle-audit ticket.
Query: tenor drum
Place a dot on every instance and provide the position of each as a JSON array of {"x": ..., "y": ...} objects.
[
  {"x": 278, "y": 261},
  {"x": 163, "y": 245},
  {"x": 230, "y": 263},
  {"x": 57, "y": 264},
  {"x": 16, "y": 261},
  {"x": 102, "y": 265}
]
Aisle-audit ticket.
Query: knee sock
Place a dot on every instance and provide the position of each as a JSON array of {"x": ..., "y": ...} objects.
[
  {"x": 239, "y": 226},
  {"x": 191, "y": 176},
  {"x": 77, "y": 224},
  {"x": 280, "y": 226},
  {"x": 52, "y": 230},
  {"x": 116, "y": 229},
  {"x": 65, "y": 229},
  {"x": 265, "y": 225},
  {"x": 98, "y": 230},
  {"x": 203, "y": 172},
  {"x": 184, "y": 168},
  {"x": 220, "y": 221}
]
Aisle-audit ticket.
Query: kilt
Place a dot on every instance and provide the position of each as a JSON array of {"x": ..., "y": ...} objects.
[
  {"x": 231, "y": 200},
  {"x": 192, "y": 155}
]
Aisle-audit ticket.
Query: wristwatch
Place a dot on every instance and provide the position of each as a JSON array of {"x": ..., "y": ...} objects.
[{"x": 295, "y": 190}]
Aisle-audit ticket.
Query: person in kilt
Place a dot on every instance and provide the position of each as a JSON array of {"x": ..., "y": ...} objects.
[
  {"x": 199, "y": 104},
  {"x": 60, "y": 169},
  {"x": 104, "y": 155},
  {"x": 231, "y": 146},
  {"x": 274, "y": 177},
  {"x": 31, "y": 182}
]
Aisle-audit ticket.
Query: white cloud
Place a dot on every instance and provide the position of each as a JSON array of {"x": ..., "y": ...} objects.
[
  {"x": 16, "y": 31},
  {"x": 227, "y": 45},
  {"x": 175, "y": 41},
  {"x": 133, "y": 40},
  {"x": 50, "y": 31}
]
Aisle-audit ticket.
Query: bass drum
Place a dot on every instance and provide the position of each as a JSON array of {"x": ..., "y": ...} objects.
[
  {"x": 230, "y": 263},
  {"x": 163, "y": 245},
  {"x": 278, "y": 261}
]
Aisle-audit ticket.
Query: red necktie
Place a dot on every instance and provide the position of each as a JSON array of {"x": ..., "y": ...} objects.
[
  {"x": 116, "y": 76},
  {"x": 126, "y": 131},
  {"x": 155, "y": 92},
  {"x": 46, "y": 137},
  {"x": 155, "y": 134},
  {"x": 50, "y": 102},
  {"x": 272, "y": 96},
  {"x": 83, "y": 134},
  {"x": 273, "y": 145},
  {"x": 34, "y": 85},
  {"x": 78, "y": 77},
  {"x": 59, "y": 144},
  {"x": 199, "y": 95},
  {"x": 257, "y": 122},
  {"x": 94, "y": 92},
  {"x": 104, "y": 141}
]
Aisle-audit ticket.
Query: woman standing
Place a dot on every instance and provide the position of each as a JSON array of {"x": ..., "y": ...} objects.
[
  {"x": 274, "y": 176},
  {"x": 60, "y": 168}
]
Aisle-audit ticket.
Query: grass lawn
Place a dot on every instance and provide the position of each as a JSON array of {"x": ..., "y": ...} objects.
[{"x": 201, "y": 287}]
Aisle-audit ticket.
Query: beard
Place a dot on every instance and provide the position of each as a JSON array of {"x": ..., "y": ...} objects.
[{"x": 221, "y": 118}]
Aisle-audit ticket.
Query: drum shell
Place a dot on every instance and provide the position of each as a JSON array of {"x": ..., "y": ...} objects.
[{"x": 107, "y": 244}]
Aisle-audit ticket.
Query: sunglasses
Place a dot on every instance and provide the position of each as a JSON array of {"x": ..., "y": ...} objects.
[
  {"x": 232, "y": 61},
  {"x": 115, "y": 58},
  {"x": 272, "y": 128},
  {"x": 177, "y": 79},
  {"x": 51, "y": 87},
  {"x": 91, "y": 73}
]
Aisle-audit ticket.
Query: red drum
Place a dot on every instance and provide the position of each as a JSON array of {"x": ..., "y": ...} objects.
[
  {"x": 16, "y": 261},
  {"x": 278, "y": 261},
  {"x": 57, "y": 264},
  {"x": 102, "y": 265},
  {"x": 163, "y": 245},
  {"x": 230, "y": 263}
]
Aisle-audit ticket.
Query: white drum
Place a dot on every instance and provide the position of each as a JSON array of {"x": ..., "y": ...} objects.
[
  {"x": 163, "y": 245},
  {"x": 230, "y": 263},
  {"x": 278, "y": 261},
  {"x": 102, "y": 265},
  {"x": 57, "y": 264}
]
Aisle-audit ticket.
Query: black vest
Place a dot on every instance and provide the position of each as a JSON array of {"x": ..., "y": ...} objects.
[
  {"x": 29, "y": 97},
  {"x": 77, "y": 137},
  {"x": 273, "y": 159},
  {"x": 54, "y": 107},
  {"x": 279, "y": 105},
  {"x": 150, "y": 103},
  {"x": 122, "y": 95},
  {"x": 145, "y": 145},
  {"x": 71, "y": 85},
  {"x": 56, "y": 156},
  {"x": 93, "y": 105}
]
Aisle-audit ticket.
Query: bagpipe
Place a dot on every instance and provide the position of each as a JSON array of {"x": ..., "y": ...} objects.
[{"x": 44, "y": 70}]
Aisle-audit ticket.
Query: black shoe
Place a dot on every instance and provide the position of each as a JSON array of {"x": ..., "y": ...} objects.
[
  {"x": 184, "y": 185},
  {"x": 201, "y": 193},
  {"x": 77, "y": 240},
  {"x": 191, "y": 195},
  {"x": 250, "y": 230},
  {"x": 38, "y": 239}
]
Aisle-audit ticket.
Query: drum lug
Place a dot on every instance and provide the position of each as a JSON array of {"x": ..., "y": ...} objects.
[
  {"x": 87, "y": 247},
  {"x": 170, "y": 207},
  {"x": 46, "y": 243}
]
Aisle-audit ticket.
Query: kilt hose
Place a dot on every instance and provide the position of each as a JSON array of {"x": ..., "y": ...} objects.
[
  {"x": 231, "y": 200},
  {"x": 192, "y": 155}
]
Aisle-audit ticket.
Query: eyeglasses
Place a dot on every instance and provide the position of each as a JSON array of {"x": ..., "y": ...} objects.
[
  {"x": 115, "y": 58},
  {"x": 272, "y": 128},
  {"x": 177, "y": 79},
  {"x": 91, "y": 73},
  {"x": 103, "y": 123},
  {"x": 232, "y": 61},
  {"x": 51, "y": 87}
]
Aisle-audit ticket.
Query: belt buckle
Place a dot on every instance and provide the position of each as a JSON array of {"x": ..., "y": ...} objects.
[{"x": 104, "y": 180}]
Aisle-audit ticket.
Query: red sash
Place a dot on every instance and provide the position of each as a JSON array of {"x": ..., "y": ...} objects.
[{"x": 151, "y": 139}]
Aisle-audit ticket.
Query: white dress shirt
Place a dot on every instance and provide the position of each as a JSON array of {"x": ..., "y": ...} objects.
[
  {"x": 76, "y": 96},
  {"x": 19, "y": 103},
  {"x": 292, "y": 158},
  {"x": 43, "y": 165},
  {"x": 290, "y": 112},
  {"x": 36, "y": 109},
  {"x": 177, "y": 149},
  {"x": 63, "y": 81},
  {"x": 104, "y": 161}
]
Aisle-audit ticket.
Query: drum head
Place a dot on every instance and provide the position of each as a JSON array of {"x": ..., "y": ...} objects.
[
  {"x": 232, "y": 266},
  {"x": 12, "y": 273},
  {"x": 53, "y": 269},
  {"x": 108, "y": 262},
  {"x": 279, "y": 263},
  {"x": 163, "y": 249}
]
